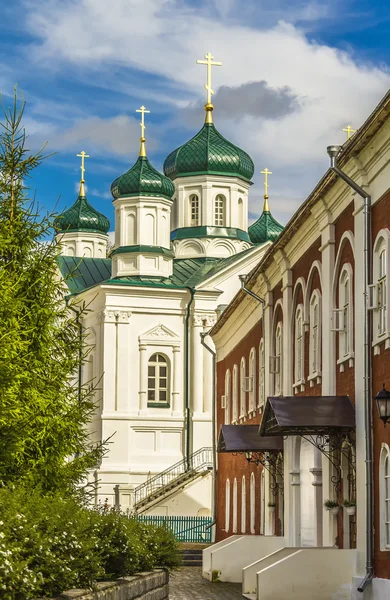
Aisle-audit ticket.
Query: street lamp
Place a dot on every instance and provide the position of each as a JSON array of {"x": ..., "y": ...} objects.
[{"x": 383, "y": 404}]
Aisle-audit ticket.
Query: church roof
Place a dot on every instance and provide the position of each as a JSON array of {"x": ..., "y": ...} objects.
[
  {"x": 265, "y": 229},
  {"x": 208, "y": 152},
  {"x": 83, "y": 273},
  {"x": 81, "y": 216},
  {"x": 142, "y": 180}
]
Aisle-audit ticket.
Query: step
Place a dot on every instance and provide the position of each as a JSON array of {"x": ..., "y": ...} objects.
[
  {"x": 194, "y": 563},
  {"x": 249, "y": 596}
]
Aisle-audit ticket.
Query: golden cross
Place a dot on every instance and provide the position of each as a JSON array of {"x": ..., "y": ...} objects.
[
  {"x": 83, "y": 156},
  {"x": 209, "y": 63},
  {"x": 266, "y": 173},
  {"x": 142, "y": 110},
  {"x": 348, "y": 130}
]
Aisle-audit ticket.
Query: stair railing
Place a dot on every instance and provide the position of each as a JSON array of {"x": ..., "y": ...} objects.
[{"x": 199, "y": 461}]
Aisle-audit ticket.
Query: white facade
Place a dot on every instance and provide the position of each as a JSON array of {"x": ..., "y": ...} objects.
[{"x": 83, "y": 243}]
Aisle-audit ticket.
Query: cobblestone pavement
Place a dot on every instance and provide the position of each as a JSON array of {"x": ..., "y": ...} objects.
[{"x": 188, "y": 584}]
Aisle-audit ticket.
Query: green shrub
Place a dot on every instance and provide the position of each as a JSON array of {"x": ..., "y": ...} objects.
[{"x": 49, "y": 544}]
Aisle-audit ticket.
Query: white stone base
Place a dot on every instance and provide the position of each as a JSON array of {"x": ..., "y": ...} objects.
[{"x": 379, "y": 589}]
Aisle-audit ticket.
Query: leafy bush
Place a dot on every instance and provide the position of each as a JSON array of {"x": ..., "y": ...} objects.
[{"x": 48, "y": 545}]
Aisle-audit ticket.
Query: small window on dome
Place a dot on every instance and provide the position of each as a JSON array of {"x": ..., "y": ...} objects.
[
  {"x": 219, "y": 211},
  {"x": 194, "y": 206}
]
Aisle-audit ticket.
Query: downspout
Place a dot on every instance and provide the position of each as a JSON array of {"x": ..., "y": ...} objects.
[
  {"x": 79, "y": 325},
  {"x": 214, "y": 422},
  {"x": 333, "y": 152},
  {"x": 262, "y": 302},
  {"x": 187, "y": 388}
]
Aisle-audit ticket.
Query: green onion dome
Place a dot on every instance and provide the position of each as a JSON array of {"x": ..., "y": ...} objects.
[
  {"x": 208, "y": 152},
  {"x": 81, "y": 217},
  {"x": 266, "y": 228},
  {"x": 142, "y": 180}
]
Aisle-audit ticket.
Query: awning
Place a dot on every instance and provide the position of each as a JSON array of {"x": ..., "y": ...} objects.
[
  {"x": 307, "y": 415},
  {"x": 246, "y": 438}
]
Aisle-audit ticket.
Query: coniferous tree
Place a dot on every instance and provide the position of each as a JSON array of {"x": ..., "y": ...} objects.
[{"x": 43, "y": 411}]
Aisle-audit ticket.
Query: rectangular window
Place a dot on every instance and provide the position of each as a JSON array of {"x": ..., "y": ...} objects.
[
  {"x": 382, "y": 291},
  {"x": 387, "y": 501},
  {"x": 345, "y": 334},
  {"x": 219, "y": 211}
]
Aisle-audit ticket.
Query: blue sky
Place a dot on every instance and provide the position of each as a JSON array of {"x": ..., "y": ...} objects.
[{"x": 293, "y": 75}]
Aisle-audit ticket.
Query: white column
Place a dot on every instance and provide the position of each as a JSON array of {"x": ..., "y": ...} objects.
[
  {"x": 287, "y": 333},
  {"x": 196, "y": 365},
  {"x": 318, "y": 506},
  {"x": 328, "y": 360},
  {"x": 143, "y": 380},
  {"x": 109, "y": 359},
  {"x": 123, "y": 373},
  {"x": 267, "y": 336},
  {"x": 208, "y": 367},
  {"x": 295, "y": 522},
  {"x": 177, "y": 402}
]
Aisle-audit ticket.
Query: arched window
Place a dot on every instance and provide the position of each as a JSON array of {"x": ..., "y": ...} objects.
[
  {"x": 158, "y": 380},
  {"x": 315, "y": 336},
  {"x": 384, "y": 488},
  {"x": 227, "y": 505},
  {"x": 227, "y": 397},
  {"x": 87, "y": 252},
  {"x": 235, "y": 393},
  {"x": 240, "y": 213},
  {"x": 252, "y": 380},
  {"x": 298, "y": 347},
  {"x": 278, "y": 359},
  {"x": 242, "y": 389},
  {"x": 234, "y": 528},
  {"x": 345, "y": 314},
  {"x": 253, "y": 503},
  {"x": 382, "y": 293},
  {"x": 71, "y": 251},
  {"x": 261, "y": 373},
  {"x": 243, "y": 505},
  {"x": 194, "y": 206},
  {"x": 219, "y": 211}
]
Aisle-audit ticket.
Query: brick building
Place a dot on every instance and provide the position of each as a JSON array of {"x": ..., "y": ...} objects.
[{"x": 292, "y": 360}]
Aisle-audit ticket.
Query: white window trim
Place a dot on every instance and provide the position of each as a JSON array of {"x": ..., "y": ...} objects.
[
  {"x": 315, "y": 375},
  {"x": 235, "y": 395},
  {"x": 252, "y": 503},
  {"x": 347, "y": 271},
  {"x": 242, "y": 411},
  {"x": 243, "y": 504},
  {"x": 261, "y": 396},
  {"x": 227, "y": 505},
  {"x": 216, "y": 215},
  {"x": 382, "y": 242},
  {"x": 235, "y": 504},
  {"x": 252, "y": 376},
  {"x": 278, "y": 360},
  {"x": 228, "y": 397},
  {"x": 299, "y": 382},
  {"x": 384, "y": 542},
  {"x": 167, "y": 365}
]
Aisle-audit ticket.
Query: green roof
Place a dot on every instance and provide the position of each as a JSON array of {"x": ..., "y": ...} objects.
[
  {"x": 142, "y": 180},
  {"x": 83, "y": 273},
  {"x": 208, "y": 152},
  {"x": 265, "y": 229},
  {"x": 81, "y": 216}
]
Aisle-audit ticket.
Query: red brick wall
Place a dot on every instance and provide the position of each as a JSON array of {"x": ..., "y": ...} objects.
[{"x": 380, "y": 375}]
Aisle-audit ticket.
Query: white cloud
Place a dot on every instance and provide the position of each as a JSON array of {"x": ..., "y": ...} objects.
[{"x": 165, "y": 37}]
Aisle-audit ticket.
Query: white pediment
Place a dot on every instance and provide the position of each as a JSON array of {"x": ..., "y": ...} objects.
[{"x": 160, "y": 334}]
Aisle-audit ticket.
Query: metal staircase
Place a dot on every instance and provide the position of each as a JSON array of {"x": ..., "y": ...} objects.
[{"x": 171, "y": 480}]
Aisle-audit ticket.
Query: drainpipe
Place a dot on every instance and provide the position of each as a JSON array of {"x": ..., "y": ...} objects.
[
  {"x": 262, "y": 301},
  {"x": 187, "y": 388},
  {"x": 79, "y": 325},
  {"x": 214, "y": 421},
  {"x": 333, "y": 152}
]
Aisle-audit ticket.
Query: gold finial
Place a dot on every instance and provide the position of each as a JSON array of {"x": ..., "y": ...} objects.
[
  {"x": 83, "y": 156},
  {"x": 209, "y": 62},
  {"x": 142, "y": 110},
  {"x": 266, "y": 173},
  {"x": 348, "y": 130}
]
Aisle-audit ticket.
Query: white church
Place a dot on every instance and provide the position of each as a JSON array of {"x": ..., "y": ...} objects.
[{"x": 181, "y": 241}]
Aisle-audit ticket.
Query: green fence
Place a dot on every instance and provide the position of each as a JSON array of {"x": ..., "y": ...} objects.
[{"x": 185, "y": 529}]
